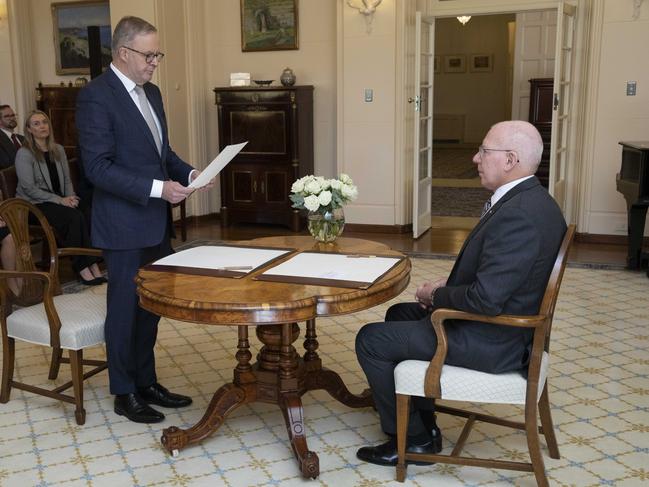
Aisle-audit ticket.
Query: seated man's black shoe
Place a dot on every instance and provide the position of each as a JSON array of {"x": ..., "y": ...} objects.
[
  {"x": 386, "y": 453},
  {"x": 134, "y": 408},
  {"x": 428, "y": 418},
  {"x": 160, "y": 396}
]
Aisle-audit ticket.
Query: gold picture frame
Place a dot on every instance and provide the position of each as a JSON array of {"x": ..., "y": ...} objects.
[
  {"x": 70, "y": 21},
  {"x": 269, "y": 25}
]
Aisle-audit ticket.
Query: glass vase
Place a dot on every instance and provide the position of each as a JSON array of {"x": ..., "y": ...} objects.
[{"x": 326, "y": 226}]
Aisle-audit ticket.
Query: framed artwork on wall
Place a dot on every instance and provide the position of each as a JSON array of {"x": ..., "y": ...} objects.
[
  {"x": 455, "y": 63},
  {"x": 269, "y": 25},
  {"x": 70, "y": 21},
  {"x": 481, "y": 63}
]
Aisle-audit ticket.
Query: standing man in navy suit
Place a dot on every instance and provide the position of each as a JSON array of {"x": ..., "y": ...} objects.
[
  {"x": 136, "y": 176},
  {"x": 503, "y": 268},
  {"x": 10, "y": 141}
]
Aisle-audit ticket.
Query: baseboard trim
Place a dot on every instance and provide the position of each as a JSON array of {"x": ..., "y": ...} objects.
[
  {"x": 605, "y": 239},
  {"x": 396, "y": 229}
]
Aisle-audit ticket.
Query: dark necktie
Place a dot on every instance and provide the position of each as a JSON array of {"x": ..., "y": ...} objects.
[
  {"x": 486, "y": 208},
  {"x": 14, "y": 139}
]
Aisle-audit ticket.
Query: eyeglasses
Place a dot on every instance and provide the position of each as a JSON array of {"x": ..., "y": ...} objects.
[
  {"x": 148, "y": 57},
  {"x": 482, "y": 150}
]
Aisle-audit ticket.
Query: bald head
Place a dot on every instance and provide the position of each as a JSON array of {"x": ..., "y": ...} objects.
[{"x": 524, "y": 139}]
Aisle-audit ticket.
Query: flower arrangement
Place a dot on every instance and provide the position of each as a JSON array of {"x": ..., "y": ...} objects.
[{"x": 324, "y": 199}]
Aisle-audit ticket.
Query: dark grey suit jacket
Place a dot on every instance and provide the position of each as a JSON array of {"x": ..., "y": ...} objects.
[
  {"x": 502, "y": 268},
  {"x": 121, "y": 160},
  {"x": 8, "y": 150}
]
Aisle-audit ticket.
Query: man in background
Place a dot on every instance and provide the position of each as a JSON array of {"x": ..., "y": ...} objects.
[
  {"x": 136, "y": 176},
  {"x": 10, "y": 141},
  {"x": 502, "y": 268}
]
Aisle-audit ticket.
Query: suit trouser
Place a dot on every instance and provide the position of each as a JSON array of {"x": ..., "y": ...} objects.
[
  {"x": 406, "y": 334},
  {"x": 130, "y": 331}
]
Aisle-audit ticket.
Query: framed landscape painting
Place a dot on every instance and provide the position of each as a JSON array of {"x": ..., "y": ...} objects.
[
  {"x": 70, "y": 21},
  {"x": 481, "y": 63},
  {"x": 455, "y": 64},
  {"x": 269, "y": 25}
]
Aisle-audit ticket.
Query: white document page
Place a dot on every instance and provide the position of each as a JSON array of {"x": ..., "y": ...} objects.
[
  {"x": 228, "y": 258},
  {"x": 215, "y": 167},
  {"x": 334, "y": 266}
]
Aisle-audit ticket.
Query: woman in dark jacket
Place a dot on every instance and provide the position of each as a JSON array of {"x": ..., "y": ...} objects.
[{"x": 44, "y": 180}]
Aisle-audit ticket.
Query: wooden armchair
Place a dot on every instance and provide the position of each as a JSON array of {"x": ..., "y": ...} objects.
[
  {"x": 435, "y": 380},
  {"x": 46, "y": 317}
]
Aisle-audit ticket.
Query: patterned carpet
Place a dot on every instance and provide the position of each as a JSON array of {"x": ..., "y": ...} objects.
[
  {"x": 454, "y": 163},
  {"x": 599, "y": 390},
  {"x": 465, "y": 202}
]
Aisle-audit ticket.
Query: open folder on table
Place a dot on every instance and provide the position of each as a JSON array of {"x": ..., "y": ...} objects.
[
  {"x": 218, "y": 260},
  {"x": 328, "y": 269},
  {"x": 215, "y": 167}
]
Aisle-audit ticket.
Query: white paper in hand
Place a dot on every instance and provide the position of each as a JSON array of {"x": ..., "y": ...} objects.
[{"x": 215, "y": 167}]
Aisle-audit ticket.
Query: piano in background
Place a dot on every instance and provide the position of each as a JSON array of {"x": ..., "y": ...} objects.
[{"x": 633, "y": 182}]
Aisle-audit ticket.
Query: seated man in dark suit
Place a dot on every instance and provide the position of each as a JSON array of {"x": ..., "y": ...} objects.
[
  {"x": 503, "y": 268},
  {"x": 10, "y": 141}
]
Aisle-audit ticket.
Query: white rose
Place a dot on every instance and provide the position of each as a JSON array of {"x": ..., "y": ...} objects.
[
  {"x": 311, "y": 202},
  {"x": 324, "y": 198},
  {"x": 346, "y": 179},
  {"x": 325, "y": 183},
  {"x": 335, "y": 184},
  {"x": 298, "y": 186},
  {"x": 349, "y": 192},
  {"x": 313, "y": 187}
]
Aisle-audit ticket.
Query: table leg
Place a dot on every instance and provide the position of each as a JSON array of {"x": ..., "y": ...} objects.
[
  {"x": 225, "y": 400},
  {"x": 291, "y": 406}
]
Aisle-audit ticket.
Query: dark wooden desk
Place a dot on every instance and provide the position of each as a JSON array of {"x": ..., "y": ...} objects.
[{"x": 280, "y": 375}]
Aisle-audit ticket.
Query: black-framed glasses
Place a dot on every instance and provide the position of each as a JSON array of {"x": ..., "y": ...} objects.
[
  {"x": 482, "y": 150},
  {"x": 148, "y": 57}
]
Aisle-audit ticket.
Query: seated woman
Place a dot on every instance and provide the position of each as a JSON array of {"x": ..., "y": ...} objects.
[{"x": 44, "y": 180}]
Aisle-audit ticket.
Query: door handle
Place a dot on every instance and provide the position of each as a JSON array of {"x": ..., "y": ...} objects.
[
  {"x": 254, "y": 186},
  {"x": 555, "y": 103},
  {"x": 416, "y": 101}
]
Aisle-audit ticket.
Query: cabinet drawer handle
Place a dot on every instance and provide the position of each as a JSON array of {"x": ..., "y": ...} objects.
[{"x": 254, "y": 186}]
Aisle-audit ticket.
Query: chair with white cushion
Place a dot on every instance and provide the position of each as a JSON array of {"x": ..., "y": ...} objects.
[
  {"x": 40, "y": 314},
  {"x": 436, "y": 380}
]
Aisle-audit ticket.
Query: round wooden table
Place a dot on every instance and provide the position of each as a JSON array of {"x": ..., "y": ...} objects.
[{"x": 280, "y": 375}]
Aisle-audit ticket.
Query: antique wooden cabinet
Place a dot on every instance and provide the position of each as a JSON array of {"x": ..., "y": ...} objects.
[
  {"x": 541, "y": 96},
  {"x": 59, "y": 102},
  {"x": 277, "y": 122}
]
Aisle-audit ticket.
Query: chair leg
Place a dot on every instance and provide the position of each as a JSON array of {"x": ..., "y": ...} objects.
[
  {"x": 76, "y": 364},
  {"x": 8, "y": 360},
  {"x": 534, "y": 446},
  {"x": 546, "y": 422},
  {"x": 403, "y": 418},
  {"x": 55, "y": 364}
]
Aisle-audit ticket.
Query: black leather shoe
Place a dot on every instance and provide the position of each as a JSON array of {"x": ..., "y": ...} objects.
[
  {"x": 134, "y": 408},
  {"x": 428, "y": 418},
  {"x": 160, "y": 396},
  {"x": 386, "y": 453},
  {"x": 93, "y": 282}
]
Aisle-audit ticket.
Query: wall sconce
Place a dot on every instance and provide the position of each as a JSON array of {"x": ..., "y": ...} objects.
[
  {"x": 367, "y": 10},
  {"x": 463, "y": 19}
]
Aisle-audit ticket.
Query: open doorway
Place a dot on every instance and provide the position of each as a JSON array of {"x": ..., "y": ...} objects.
[{"x": 473, "y": 90}]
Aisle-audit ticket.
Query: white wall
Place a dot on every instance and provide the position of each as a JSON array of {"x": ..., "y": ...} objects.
[
  {"x": 367, "y": 130},
  {"x": 621, "y": 57},
  {"x": 7, "y": 94}
]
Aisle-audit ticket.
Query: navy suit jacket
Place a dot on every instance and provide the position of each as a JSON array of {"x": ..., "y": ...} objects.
[
  {"x": 8, "y": 150},
  {"x": 503, "y": 268},
  {"x": 121, "y": 160}
]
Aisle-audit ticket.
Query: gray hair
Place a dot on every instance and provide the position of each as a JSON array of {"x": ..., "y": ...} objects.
[
  {"x": 127, "y": 29},
  {"x": 525, "y": 139}
]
